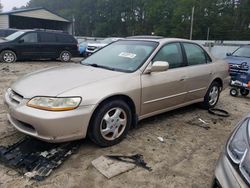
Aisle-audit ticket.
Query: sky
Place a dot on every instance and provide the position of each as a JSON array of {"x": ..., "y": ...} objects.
[{"x": 9, "y": 4}]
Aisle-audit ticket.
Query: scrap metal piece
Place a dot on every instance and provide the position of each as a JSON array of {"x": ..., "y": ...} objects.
[
  {"x": 134, "y": 159},
  {"x": 36, "y": 159}
]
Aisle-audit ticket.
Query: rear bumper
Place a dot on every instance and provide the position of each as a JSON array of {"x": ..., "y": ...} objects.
[
  {"x": 50, "y": 126},
  {"x": 226, "y": 175}
]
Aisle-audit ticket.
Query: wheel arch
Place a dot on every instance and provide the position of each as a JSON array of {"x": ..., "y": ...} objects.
[
  {"x": 219, "y": 81},
  {"x": 121, "y": 97},
  {"x": 10, "y": 49}
]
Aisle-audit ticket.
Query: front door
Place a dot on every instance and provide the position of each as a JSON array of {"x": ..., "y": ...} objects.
[
  {"x": 28, "y": 46},
  {"x": 164, "y": 90}
]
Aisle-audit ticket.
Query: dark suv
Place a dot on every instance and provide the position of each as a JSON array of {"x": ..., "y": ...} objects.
[{"x": 38, "y": 44}]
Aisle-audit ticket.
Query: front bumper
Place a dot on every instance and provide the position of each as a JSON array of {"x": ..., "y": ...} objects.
[
  {"x": 226, "y": 175},
  {"x": 49, "y": 126}
]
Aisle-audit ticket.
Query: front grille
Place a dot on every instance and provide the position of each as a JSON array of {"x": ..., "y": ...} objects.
[
  {"x": 91, "y": 48},
  {"x": 14, "y": 96}
]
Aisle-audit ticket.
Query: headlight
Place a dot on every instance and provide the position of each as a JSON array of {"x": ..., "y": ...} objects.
[
  {"x": 55, "y": 103},
  {"x": 238, "y": 148}
]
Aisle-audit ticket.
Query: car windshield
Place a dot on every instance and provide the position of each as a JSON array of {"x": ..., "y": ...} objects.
[
  {"x": 242, "y": 52},
  {"x": 14, "y": 35},
  {"x": 125, "y": 56}
]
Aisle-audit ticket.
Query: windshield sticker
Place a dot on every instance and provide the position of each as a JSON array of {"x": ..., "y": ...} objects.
[{"x": 127, "y": 55}]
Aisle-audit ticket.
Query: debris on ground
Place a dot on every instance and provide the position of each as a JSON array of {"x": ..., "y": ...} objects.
[
  {"x": 218, "y": 112},
  {"x": 201, "y": 120},
  {"x": 36, "y": 159},
  {"x": 160, "y": 139},
  {"x": 111, "y": 168},
  {"x": 133, "y": 159},
  {"x": 201, "y": 123}
]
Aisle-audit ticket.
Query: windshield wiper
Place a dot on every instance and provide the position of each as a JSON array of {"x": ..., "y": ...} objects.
[{"x": 100, "y": 66}]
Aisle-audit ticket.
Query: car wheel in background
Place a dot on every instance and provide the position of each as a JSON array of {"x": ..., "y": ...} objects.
[
  {"x": 8, "y": 56},
  {"x": 65, "y": 56},
  {"x": 110, "y": 123},
  {"x": 212, "y": 96},
  {"x": 234, "y": 92},
  {"x": 244, "y": 92}
]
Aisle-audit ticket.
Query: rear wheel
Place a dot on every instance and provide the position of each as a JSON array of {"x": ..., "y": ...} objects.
[
  {"x": 65, "y": 56},
  {"x": 8, "y": 56},
  {"x": 212, "y": 96},
  {"x": 244, "y": 92},
  {"x": 110, "y": 123}
]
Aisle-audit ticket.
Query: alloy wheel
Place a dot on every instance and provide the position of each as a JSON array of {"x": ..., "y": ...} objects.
[{"x": 113, "y": 124}]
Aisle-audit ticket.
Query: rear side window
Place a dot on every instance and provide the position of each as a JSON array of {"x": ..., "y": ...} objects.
[
  {"x": 47, "y": 37},
  {"x": 195, "y": 54},
  {"x": 172, "y": 54},
  {"x": 29, "y": 38},
  {"x": 65, "y": 39}
]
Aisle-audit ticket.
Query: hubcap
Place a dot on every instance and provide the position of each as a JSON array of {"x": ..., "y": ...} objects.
[
  {"x": 65, "y": 56},
  {"x": 113, "y": 124},
  {"x": 8, "y": 57},
  {"x": 213, "y": 95}
]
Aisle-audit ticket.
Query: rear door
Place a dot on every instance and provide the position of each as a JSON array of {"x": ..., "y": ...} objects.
[
  {"x": 28, "y": 46},
  {"x": 199, "y": 71},
  {"x": 48, "y": 44},
  {"x": 164, "y": 90}
]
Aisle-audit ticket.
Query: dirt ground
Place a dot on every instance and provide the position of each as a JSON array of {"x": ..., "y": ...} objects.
[{"x": 186, "y": 158}]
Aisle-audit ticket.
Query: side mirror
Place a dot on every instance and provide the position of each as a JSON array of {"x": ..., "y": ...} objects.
[
  {"x": 21, "y": 41},
  {"x": 229, "y": 54},
  {"x": 158, "y": 66}
]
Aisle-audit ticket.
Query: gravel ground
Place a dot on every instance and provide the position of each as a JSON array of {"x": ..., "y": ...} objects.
[{"x": 186, "y": 158}]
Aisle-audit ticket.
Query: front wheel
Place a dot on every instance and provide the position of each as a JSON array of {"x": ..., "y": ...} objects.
[
  {"x": 234, "y": 92},
  {"x": 110, "y": 123},
  {"x": 212, "y": 96},
  {"x": 8, "y": 56},
  {"x": 65, "y": 56}
]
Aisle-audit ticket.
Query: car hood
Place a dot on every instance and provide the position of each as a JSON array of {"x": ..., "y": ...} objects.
[
  {"x": 57, "y": 80},
  {"x": 237, "y": 60}
]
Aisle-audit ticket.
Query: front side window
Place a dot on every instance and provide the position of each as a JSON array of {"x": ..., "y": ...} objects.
[
  {"x": 126, "y": 56},
  {"x": 29, "y": 38},
  {"x": 172, "y": 54},
  {"x": 195, "y": 54}
]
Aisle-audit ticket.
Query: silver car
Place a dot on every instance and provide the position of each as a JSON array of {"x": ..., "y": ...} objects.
[
  {"x": 233, "y": 167},
  {"x": 106, "y": 94}
]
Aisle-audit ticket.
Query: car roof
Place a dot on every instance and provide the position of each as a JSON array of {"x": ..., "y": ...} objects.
[{"x": 160, "y": 40}]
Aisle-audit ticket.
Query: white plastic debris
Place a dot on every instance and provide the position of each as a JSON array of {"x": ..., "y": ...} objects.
[
  {"x": 201, "y": 120},
  {"x": 160, "y": 138}
]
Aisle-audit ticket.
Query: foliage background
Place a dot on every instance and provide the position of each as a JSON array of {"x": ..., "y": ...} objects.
[{"x": 226, "y": 19}]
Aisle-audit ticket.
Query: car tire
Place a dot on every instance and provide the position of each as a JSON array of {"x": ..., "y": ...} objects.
[
  {"x": 8, "y": 56},
  {"x": 65, "y": 56},
  {"x": 244, "y": 92},
  {"x": 234, "y": 92},
  {"x": 212, "y": 96},
  {"x": 110, "y": 123}
]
